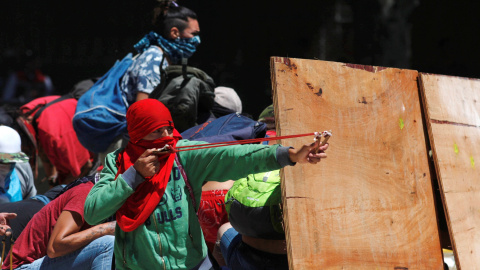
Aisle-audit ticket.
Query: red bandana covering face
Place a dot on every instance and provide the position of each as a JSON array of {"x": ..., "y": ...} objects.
[{"x": 144, "y": 117}]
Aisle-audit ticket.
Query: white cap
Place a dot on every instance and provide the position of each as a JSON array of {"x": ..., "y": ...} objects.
[
  {"x": 9, "y": 140},
  {"x": 228, "y": 98},
  {"x": 10, "y": 146}
]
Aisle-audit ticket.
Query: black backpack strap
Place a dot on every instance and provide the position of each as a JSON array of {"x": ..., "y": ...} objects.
[
  {"x": 162, "y": 71},
  {"x": 190, "y": 190},
  {"x": 82, "y": 180},
  {"x": 189, "y": 187},
  {"x": 184, "y": 68},
  {"x": 37, "y": 114}
]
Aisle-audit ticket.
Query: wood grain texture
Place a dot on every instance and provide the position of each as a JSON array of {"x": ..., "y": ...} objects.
[
  {"x": 369, "y": 205},
  {"x": 452, "y": 109}
]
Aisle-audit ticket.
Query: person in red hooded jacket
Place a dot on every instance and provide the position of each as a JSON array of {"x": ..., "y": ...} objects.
[{"x": 63, "y": 157}]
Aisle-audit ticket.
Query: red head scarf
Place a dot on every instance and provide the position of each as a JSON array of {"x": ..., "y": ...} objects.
[{"x": 144, "y": 117}]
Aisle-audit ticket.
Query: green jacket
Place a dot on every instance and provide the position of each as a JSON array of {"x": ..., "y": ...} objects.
[{"x": 172, "y": 238}]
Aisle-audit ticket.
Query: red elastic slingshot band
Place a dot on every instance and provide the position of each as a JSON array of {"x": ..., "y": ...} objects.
[{"x": 219, "y": 144}]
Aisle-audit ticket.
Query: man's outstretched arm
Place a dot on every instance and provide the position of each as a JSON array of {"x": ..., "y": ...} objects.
[{"x": 67, "y": 237}]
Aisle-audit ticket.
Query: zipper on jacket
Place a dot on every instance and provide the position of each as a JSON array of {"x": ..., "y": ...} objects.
[
  {"x": 124, "y": 258},
  {"x": 159, "y": 243}
]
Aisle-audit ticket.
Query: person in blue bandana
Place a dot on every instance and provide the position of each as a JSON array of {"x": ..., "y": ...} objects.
[{"x": 175, "y": 35}]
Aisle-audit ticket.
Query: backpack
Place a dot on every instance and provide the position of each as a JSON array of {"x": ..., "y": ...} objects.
[
  {"x": 187, "y": 92},
  {"x": 227, "y": 128},
  {"x": 100, "y": 116},
  {"x": 254, "y": 207}
]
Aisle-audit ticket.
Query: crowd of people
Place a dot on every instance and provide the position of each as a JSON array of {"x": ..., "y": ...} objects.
[{"x": 157, "y": 198}]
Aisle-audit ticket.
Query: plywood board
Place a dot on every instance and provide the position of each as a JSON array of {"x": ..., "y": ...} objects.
[
  {"x": 452, "y": 109},
  {"x": 370, "y": 204}
]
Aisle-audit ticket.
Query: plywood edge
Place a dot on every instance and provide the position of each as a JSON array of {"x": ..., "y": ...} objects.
[
  {"x": 438, "y": 80},
  {"x": 428, "y": 123},
  {"x": 369, "y": 68},
  {"x": 273, "y": 74},
  {"x": 288, "y": 236},
  {"x": 273, "y": 78},
  {"x": 449, "y": 76}
]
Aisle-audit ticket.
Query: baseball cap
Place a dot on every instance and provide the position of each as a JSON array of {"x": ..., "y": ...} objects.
[
  {"x": 228, "y": 98},
  {"x": 266, "y": 114},
  {"x": 10, "y": 146}
]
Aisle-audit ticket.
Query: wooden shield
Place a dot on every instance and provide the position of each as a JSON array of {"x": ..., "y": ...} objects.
[
  {"x": 452, "y": 109},
  {"x": 370, "y": 204}
]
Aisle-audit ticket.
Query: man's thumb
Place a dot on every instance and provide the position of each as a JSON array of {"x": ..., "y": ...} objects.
[{"x": 10, "y": 215}]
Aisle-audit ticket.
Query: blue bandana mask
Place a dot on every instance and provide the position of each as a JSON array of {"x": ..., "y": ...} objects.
[
  {"x": 175, "y": 49},
  {"x": 10, "y": 187}
]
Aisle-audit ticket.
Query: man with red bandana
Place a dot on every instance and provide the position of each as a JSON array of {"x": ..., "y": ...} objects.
[{"x": 154, "y": 195}]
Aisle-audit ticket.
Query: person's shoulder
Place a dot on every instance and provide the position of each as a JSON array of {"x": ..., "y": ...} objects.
[
  {"x": 155, "y": 49},
  {"x": 63, "y": 107},
  {"x": 114, "y": 154},
  {"x": 79, "y": 190},
  {"x": 152, "y": 51},
  {"x": 111, "y": 158},
  {"x": 34, "y": 103},
  {"x": 70, "y": 197},
  {"x": 25, "y": 174},
  {"x": 23, "y": 166},
  {"x": 146, "y": 60}
]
